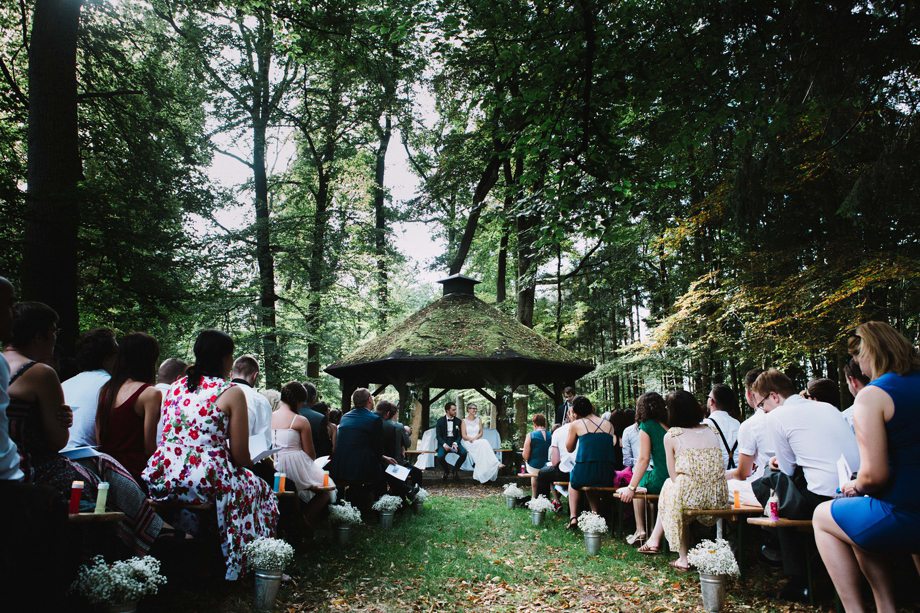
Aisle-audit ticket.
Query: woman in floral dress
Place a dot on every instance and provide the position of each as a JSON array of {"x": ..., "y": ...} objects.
[
  {"x": 697, "y": 475},
  {"x": 204, "y": 451}
]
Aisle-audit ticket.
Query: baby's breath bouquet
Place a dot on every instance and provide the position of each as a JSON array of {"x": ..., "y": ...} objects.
[
  {"x": 268, "y": 554},
  {"x": 344, "y": 514},
  {"x": 387, "y": 503},
  {"x": 119, "y": 583},
  {"x": 713, "y": 558},
  {"x": 591, "y": 523},
  {"x": 513, "y": 491},
  {"x": 421, "y": 495},
  {"x": 540, "y": 504}
]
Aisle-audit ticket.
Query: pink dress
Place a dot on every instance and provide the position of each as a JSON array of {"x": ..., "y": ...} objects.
[
  {"x": 192, "y": 464},
  {"x": 294, "y": 462}
]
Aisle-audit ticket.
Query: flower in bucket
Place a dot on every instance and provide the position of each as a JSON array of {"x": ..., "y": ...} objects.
[
  {"x": 592, "y": 523},
  {"x": 119, "y": 583},
  {"x": 714, "y": 558},
  {"x": 421, "y": 495},
  {"x": 540, "y": 504},
  {"x": 268, "y": 554},
  {"x": 513, "y": 491},
  {"x": 387, "y": 503},
  {"x": 344, "y": 514}
]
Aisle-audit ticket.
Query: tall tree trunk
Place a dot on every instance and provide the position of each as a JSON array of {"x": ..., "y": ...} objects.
[
  {"x": 317, "y": 273},
  {"x": 380, "y": 226},
  {"x": 54, "y": 165},
  {"x": 265, "y": 258}
]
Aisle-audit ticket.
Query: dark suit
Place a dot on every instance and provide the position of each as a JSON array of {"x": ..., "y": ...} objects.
[
  {"x": 319, "y": 427},
  {"x": 359, "y": 448},
  {"x": 443, "y": 439},
  {"x": 395, "y": 439}
]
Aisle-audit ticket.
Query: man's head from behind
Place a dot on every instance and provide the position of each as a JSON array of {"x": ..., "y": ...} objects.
[
  {"x": 361, "y": 398},
  {"x": 385, "y": 409},
  {"x": 771, "y": 389},
  {"x": 170, "y": 370},
  {"x": 247, "y": 368},
  {"x": 97, "y": 350},
  {"x": 312, "y": 394}
]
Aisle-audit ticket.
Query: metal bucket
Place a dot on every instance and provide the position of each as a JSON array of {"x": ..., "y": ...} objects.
[
  {"x": 386, "y": 519},
  {"x": 127, "y": 607},
  {"x": 593, "y": 542},
  {"x": 266, "y": 589},
  {"x": 713, "y": 588},
  {"x": 509, "y": 502},
  {"x": 342, "y": 534},
  {"x": 537, "y": 517},
  {"x": 417, "y": 506}
]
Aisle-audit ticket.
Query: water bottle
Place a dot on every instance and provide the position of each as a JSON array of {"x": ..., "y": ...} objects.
[{"x": 774, "y": 505}]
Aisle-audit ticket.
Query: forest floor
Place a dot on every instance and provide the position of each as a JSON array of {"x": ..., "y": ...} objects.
[{"x": 467, "y": 553}]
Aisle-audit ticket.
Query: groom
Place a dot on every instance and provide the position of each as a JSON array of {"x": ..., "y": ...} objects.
[{"x": 449, "y": 436}]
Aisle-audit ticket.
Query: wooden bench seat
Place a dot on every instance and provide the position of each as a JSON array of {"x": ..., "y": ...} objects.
[
  {"x": 176, "y": 505},
  {"x": 95, "y": 518}
]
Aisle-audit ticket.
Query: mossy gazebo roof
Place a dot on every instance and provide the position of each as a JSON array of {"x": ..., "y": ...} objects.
[{"x": 460, "y": 342}]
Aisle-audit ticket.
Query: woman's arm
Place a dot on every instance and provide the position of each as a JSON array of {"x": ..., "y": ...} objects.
[
  {"x": 874, "y": 407},
  {"x": 463, "y": 431},
  {"x": 526, "y": 453},
  {"x": 572, "y": 438},
  {"x": 645, "y": 454},
  {"x": 43, "y": 382},
  {"x": 150, "y": 401},
  {"x": 306, "y": 437},
  {"x": 670, "y": 446},
  {"x": 333, "y": 436},
  {"x": 233, "y": 403},
  {"x": 481, "y": 430}
]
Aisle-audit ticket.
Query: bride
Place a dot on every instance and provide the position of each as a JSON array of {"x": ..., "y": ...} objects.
[{"x": 485, "y": 464}]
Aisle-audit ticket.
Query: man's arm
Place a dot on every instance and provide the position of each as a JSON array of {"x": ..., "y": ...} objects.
[
  {"x": 554, "y": 455},
  {"x": 440, "y": 430},
  {"x": 785, "y": 457}
]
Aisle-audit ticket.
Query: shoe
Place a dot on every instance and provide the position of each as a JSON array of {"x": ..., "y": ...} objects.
[
  {"x": 679, "y": 567},
  {"x": 411, "y": 495},
  {"x": 796, "y": 590},
  {"x": 444, "y": 478},
  {"x": 766, "y": 560},
  {"x": 771, "y": 554},
  {"x": 649, "y": 550},
  {"x": 456, "y": 475},
  {"x": 573, "y": 524},
  {"x": 636, "y": 539},
  {"x": 557, "y": 506}
]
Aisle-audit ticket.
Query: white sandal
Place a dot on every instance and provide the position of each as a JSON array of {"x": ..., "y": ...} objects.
[{"x": 637, "y": 538}]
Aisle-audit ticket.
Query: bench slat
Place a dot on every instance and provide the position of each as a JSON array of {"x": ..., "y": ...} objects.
[{"x": 95, "y": 518}]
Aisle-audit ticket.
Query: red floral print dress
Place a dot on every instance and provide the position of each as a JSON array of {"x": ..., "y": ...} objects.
[{"x": 192, "y": 464}]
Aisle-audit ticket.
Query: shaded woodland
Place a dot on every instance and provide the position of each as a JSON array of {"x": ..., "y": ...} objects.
[{"x": 677, "y": 191}]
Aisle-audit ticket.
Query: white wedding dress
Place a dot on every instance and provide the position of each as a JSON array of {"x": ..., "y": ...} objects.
[{"x": 485, "y": 464}]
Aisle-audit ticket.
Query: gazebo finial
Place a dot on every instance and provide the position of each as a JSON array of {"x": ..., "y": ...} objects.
[{"x": 458, "y": 284}]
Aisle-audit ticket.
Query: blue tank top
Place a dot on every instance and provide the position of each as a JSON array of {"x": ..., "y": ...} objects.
[
  {"x": 903, "y": 439},
  {"x": 539, "y": 448}
]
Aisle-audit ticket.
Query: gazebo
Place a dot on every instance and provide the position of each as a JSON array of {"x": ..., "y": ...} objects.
[{"x": 459, "y": 342}]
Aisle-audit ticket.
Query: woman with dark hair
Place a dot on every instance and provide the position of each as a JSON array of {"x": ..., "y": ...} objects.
[
  {"x": 335, "y": 416},
  {"x": 36, "y": 398},
  {"x": 203, "y": 454},
  {"x": 129, "y": 405},
  {"x": 879, "y": 513},
  {"x": 323, "y": 409},
  {"x": 595, "y": 461},
  {"x": 697, "y": 476},
  {"x": 652, "y": 416},
  {"x": 292, "y": 433}
]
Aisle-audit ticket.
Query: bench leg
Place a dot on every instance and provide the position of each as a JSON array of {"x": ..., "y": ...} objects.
[
  {"x": 620, "y": 514},
  {"x": 741, "y": 522}
]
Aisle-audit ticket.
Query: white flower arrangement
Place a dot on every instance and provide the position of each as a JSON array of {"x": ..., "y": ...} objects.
[
  {"x": 387, "y": 503},
  {"x": 119, "y": 583},
  {"x": 713, "y": 558},
  {"x": 513, "y": 491},
  {"x": 421, "y": 495},
  {"x": 268, "y": 554},
  {"x": 540, "y": 504},
  {"x": 344, "y": 514},
  {"x": 591, "y": 523}
]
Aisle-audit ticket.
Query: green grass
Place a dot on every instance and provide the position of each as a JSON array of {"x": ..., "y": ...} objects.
[{"x": 472, "y": 554}]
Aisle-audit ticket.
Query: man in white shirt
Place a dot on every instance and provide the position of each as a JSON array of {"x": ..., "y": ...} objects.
[
  {"x": 96, "y": 355},
  {"x": 170, "y": 370},
  {"x": 809, "y": 438},
  {"x": 245, "y": 374},
  {"x": 560, "y": 464},
  {"x": 754, "y": 448},
  {"x": 721, "y": 400}
]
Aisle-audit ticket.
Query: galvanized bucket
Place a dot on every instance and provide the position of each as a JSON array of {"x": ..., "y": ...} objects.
[
  {"x": 342, "y": 534},
  {"x": 266, "y": 589},
  {"x": 593, "y": 542},
  {"x": 127, "y": 607},
  {"x": 713, "y": 588},
  {"x": 537, "y": 517},
  {"x": 386, "y": 519},
  {"x": 417, "y": 506},
  {"x": 509, "y": 502}
]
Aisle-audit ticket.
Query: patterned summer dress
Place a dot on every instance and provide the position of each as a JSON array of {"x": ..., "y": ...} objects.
[
  {"x": 193, "y": 464},
  {"x": 700, "y": 484}
]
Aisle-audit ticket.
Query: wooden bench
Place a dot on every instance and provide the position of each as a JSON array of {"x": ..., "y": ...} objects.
[
  {"x": 649, "y": 524},
  {"x": 95, "y": 518}
]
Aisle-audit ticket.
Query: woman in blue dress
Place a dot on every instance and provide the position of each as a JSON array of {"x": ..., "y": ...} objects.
[
  {"x": 595, "y": 460},
  {"x": 536, "y": 450},
  {"x": 880, "y": 511}
]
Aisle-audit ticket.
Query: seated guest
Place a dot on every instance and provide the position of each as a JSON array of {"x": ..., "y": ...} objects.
[
  {"x": 359, "y": 454},
  {"x": 880, "y": 511},
  {"x": 696, "y": 475},
  {"x": 319, "y": 423},
  {"x": 245, "y": 373},
  {"x": 96, "y": 355},
  {"x": 723, "y": 407},
  {"x": 204, "y": 455},
  {"x": 754, "y": 448},
  {"x": 824, "y": 390},
  {"x": 35, "y": 399},
  {"x": 291, "y": 432},
  {"x": 170, "y": 370},
  {"x": 129, "y": 405},
  {"x": 335, "y": 417},
  {"x": 273, "y": 397},
  {"x": 595, "y": 462},
  {"x": 395, "y": 440},
  {"x": 561, "y": 462},
  {"x": 332, "y": 429},
  {"x": 808, "y": 437},
  {"x": 856, "y": 380},
  {"x": 622, "y": 421},
  {"x": 536, "y": 450},
  {"x": 652, "y": 415}
]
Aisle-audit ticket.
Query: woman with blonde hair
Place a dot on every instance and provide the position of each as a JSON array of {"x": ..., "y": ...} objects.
[{"x": 880, "y": 511}]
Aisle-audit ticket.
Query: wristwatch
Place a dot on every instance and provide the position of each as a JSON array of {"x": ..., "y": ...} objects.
[{"x": 631, "y": 487}]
